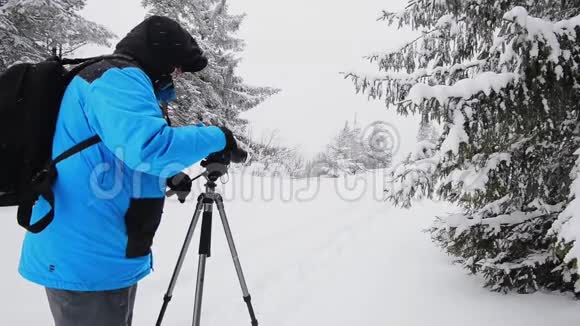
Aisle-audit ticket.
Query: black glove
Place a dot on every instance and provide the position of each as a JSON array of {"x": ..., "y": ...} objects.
[
  {"x": 231, "y": 143},
  {"x": 180, "y": 185}
]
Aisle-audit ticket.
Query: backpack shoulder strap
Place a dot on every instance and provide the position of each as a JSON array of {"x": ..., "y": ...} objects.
[
  {"x": 85, "y": 62},
  {"x": 77, "y": 61},
  {"x": 82, "y": 64},
  {"x": 42, "y": 186},
  {"x": 76, "y": 149}
]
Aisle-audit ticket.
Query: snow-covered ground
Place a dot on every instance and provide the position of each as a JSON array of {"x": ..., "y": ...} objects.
[{"x": 310, "y": 258}]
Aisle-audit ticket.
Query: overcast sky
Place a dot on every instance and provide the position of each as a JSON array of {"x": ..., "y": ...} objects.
[{"x": 299, "y": 46}]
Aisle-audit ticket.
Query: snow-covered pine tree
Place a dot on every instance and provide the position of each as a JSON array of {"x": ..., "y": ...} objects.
[
  {"x": 377, "y": 143},
  {"x": 217, "y": 95},
  {"x": 345, "y": 152},
  {"x": 502, "y": 78},
  {"x": 352, "y": 151},
  {"x": 30, "y": 29},
  {"x": 427, "y": 132}
]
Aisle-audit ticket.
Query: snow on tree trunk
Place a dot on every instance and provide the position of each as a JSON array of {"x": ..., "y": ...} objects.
[
  {"x": 30, "y": 29},
  {"x": 502, "y": 79}
]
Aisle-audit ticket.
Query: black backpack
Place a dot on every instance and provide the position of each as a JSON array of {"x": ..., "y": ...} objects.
[{"x": 30, "y": 98}]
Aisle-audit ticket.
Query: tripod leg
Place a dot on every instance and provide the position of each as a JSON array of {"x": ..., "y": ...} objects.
[
  {"x": 180, "y": 260},
  {"x": 199, "y": 290},
  {"x": 204, "y": 253},
  {"x": 238, "y": 266}
]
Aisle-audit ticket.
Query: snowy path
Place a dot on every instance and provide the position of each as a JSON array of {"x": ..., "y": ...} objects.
[{"x": 322, "y": 262}]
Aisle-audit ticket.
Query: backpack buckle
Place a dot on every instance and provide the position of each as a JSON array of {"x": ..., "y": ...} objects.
[{"x": 43, "y": 179}]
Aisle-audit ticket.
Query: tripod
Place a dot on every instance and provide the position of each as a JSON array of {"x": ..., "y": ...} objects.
[{"x": 205, "y": 202}]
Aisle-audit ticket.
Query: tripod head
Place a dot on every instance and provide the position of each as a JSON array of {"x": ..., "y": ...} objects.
[
  {"x": 214, "y": 171},
  {"x": 216, "y": 165}
]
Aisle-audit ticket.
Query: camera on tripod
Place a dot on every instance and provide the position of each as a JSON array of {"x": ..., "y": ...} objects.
[
  {"x": 216, "y": 165},
  {"x": 236, "y": 155}
]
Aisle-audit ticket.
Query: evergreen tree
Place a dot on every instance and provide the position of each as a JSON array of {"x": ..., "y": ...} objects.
[
  {"x": 216, "y": 95},
  {"x": 30, "y": 29},
  {"x": 345, "y": 152},
  {"x": 377, "y": 143},
  {"x": 427, "y": 132},
  {"x": 351, "y": 152},
  {"x": 502, "y": 78}
]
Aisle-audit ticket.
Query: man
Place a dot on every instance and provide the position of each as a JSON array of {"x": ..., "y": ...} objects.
[{"x": 109, "y": 198}]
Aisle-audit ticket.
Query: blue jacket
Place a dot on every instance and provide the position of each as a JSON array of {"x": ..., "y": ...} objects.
[{"x": 109, "y": 197}]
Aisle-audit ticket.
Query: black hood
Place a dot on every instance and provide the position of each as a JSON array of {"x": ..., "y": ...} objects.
[{"x": 159, "y": 45}]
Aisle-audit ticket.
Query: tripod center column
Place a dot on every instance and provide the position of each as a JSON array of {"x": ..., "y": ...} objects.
[{"x": 205, "y": 238}]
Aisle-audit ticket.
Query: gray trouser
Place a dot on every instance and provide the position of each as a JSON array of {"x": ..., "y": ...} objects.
[{"x": 103, "y": 308}]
